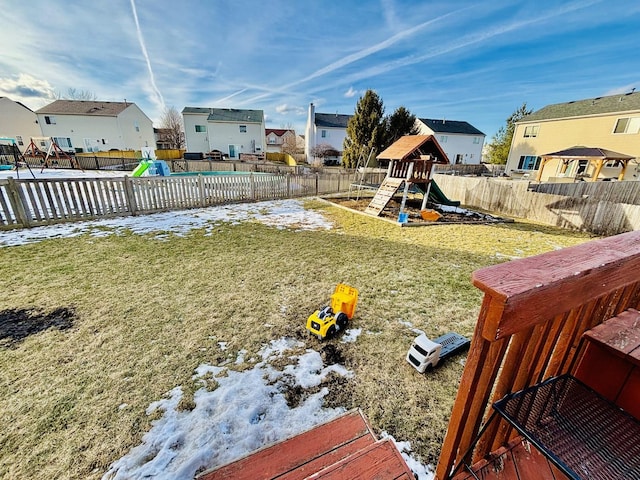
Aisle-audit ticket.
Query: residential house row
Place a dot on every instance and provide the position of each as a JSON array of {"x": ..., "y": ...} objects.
[
  {"x": 591, "y": 139},
  {"x": 460, "y": 140}
]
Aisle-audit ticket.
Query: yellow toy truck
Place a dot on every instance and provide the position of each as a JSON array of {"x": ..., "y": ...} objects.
[{"x": 329, "y": 320}]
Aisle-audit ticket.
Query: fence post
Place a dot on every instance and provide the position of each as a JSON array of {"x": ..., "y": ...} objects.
[
  {"x": 252, "y": 187},
  {"x": 18, "y": 203},
  {"x": 317, "y": 182},
  {"x": 202, "y": 196},
  {"x": 130, "y": 195},
  {"x": 288, "y": 185}
]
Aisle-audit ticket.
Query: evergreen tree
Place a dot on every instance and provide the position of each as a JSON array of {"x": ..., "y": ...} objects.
[
  {"x": 366, "y": 129},
  {"x": 498, "y": 149},
  {"x": 399, "y": 123}
]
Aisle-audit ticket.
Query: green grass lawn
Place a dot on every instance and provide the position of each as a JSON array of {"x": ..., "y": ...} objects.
[{"x": 146, "y": 312}]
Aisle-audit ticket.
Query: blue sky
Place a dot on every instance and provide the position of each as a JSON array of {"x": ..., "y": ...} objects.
[{"x": 476, "y": 61}]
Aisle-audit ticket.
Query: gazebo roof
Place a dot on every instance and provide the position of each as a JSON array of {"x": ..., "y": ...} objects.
[
  {"x": 589, "y": 152},
  {"x": 412, "y": 146}
]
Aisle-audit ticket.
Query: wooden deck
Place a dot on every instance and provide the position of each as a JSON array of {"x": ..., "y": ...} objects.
[
  {"x": 344, "y": 448},
  {"x": 519, "y": 460},
  {"x": 530, "y": 329}
]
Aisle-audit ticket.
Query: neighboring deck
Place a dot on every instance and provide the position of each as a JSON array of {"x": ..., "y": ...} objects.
[{"x": 344, "y": 448}]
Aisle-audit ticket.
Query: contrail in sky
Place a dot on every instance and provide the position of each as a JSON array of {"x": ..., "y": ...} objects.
[
  {"x": 354, "y": 57},
  {"x": 143, "y": 47}
]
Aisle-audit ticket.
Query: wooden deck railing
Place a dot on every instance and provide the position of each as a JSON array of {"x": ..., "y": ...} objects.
[
  {"x": 533, "y": 315},
  {"x": 33, "y": 202}
]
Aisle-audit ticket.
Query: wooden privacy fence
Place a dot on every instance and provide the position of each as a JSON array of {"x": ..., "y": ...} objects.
[
  {"x": 35, "y": 202},
  {"x": 619, "y": 192},
  {"x": 513, "y": 198}
]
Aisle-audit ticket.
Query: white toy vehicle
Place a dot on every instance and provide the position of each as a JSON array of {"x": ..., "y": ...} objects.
[{"x": 424, "y": 352}]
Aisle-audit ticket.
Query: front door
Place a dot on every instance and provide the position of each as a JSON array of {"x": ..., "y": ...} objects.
[{"x": 232, "y": 151}]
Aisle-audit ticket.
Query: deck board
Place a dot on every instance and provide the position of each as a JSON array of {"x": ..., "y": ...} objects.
[
  {"x": 378, "y": 461},
  {"x": 517, "y": 461},
  {"x": 315, "y": 448}
]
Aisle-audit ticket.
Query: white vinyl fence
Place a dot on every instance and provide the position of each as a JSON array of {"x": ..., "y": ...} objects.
[{"x": 34, "y": 202}]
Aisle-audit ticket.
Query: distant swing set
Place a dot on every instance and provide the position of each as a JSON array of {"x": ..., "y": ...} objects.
[
  {"x": 9, "y": 149},
  {"x": 49, "y": 158}
]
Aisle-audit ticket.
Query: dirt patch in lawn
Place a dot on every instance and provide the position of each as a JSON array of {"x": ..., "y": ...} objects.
[
  {"x": 450, "y": 215},
  {"x": 18, "y": 324}
]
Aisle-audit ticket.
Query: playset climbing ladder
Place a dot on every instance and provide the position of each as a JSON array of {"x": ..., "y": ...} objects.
[{"x": 411, "y": 160}]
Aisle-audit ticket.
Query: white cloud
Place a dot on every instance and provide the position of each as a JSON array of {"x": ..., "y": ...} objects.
[
  {"x": 285, "y": 109},
  {"x": 350, "y": 93},
  {"x": 27, "y": 89}
]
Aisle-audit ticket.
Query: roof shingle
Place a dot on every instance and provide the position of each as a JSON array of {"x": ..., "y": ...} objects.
[
  {"x": 227, "y": 114},
  {"x": 451, "y": 126},
  {"x": 625, "y": 102},
  {"x": 85, "y": 107},
  {"x": 332, "y": 120}
]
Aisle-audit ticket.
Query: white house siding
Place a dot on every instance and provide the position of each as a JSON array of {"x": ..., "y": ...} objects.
[
  {"x": 224, "y": 134},
  {"x": 196, "y": 141},
  {"x": 19, "y": 122},
  {"x": 135, "y": 138},
  {"x": 333, "y": 136},
  {"x": 460, "y": 148},
  {"x": 101, "y": 133}
]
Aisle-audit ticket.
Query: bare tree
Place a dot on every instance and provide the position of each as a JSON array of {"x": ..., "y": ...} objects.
[
  {"x": 289, "y": 144},
  {"x": 75, "y": 94},
  {"x": 171, "y": 121},
  {"x": 323, "y": 151}
]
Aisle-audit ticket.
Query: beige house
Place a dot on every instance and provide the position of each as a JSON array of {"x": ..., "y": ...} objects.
[
  {"x": 92, "y": 126},
  {"x": 549, "y": 144},
  {"x": 17, "y": 122},
  {"x": 276, "y": 138}
]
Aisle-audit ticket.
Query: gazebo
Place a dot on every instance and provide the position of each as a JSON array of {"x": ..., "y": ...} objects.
[{"x": 594, "y": 155}]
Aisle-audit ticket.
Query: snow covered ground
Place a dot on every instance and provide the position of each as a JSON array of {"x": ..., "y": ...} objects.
[
  {"x": 37, "y": 172},
  {"x": 246, "y": 410}
]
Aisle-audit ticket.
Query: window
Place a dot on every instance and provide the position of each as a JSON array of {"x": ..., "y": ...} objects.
[
  {"x": 627, "y": 125},
  {"x": 476, "y": 140},
  {"x": 49, "y": 119},
  {"x": 323, "y": 134},
  {"x": 63, "y": 142},
  {"x": 19, "y": 140},
  {"x": 531, "y": 131},
  {"x": 243, "y": 129},
  {"x": 529, "y": 162},
  {"x": 581, "y": 167},
  {"x": 201, "y": 128},
  {"x": 272, "y": 141},
  {"x": 136, "y": 126},
  {"x": 443, "y": 139}
]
